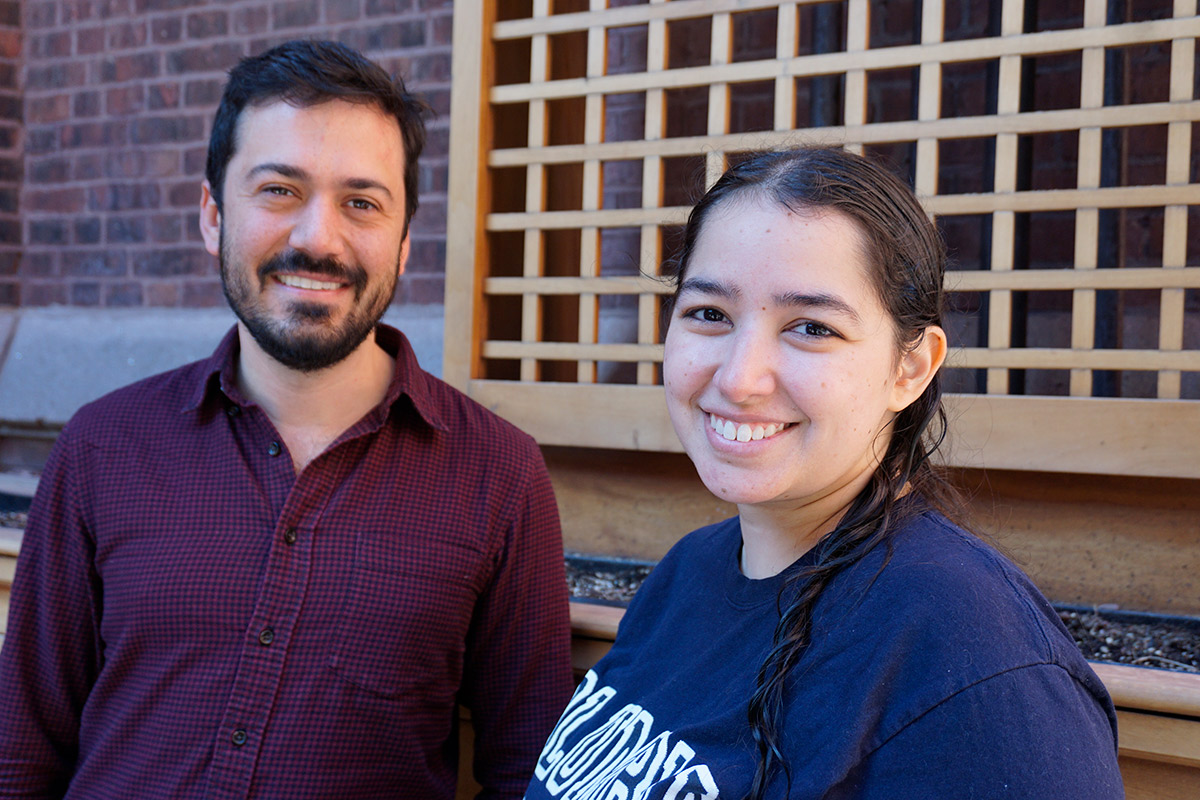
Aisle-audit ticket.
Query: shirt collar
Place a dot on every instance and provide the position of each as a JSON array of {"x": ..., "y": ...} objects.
[{"x": 217, "y": 378}]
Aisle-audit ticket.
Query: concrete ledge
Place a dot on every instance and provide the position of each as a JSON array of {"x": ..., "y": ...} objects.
[{"x": 55, "y": 359}]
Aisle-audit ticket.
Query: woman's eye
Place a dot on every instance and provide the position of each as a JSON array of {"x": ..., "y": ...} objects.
[
  {"x": 707, "y": 315},
  {"x": 815, "y": 330}
]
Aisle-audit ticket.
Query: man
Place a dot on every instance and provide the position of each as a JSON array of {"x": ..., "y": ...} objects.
[{"x": 275, "y": 573}]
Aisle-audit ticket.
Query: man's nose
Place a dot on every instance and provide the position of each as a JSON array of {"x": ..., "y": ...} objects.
[{"x": 317, "y": 230}]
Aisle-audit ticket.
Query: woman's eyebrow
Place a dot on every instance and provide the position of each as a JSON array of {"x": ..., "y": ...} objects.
[
  {"x": 706, "y": 286},
  {"x": 825, "y": 301}
]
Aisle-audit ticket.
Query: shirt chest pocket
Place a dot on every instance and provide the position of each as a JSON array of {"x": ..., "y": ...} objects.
[{"x": 407, "y": 615}]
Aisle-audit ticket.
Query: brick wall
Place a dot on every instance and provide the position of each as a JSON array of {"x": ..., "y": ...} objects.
[
  {"x": 119, "y": 99},
  {"x": 10, "y": 150}
]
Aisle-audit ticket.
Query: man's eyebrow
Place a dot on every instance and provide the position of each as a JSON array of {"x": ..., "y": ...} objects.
[{"x": 296, "y": 173}]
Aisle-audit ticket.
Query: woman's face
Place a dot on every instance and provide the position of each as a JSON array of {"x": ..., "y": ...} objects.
[{"x": 781, "y": 365}]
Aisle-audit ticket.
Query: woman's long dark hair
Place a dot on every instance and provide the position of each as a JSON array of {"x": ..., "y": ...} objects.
[{"x": 907, "y": 262}]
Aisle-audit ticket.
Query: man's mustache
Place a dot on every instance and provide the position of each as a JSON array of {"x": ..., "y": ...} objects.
[{"x": 295, "y": 261}]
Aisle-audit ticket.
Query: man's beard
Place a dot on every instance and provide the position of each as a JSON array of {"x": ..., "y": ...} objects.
[{"x": 305, "y": 339}]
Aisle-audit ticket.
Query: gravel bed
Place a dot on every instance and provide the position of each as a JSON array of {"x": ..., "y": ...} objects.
[{"x": 1171, "y": 643}]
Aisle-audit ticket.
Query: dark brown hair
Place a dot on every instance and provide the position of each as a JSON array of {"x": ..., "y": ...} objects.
[
  {"x": 306, "y": 73},
  {"x": 906, "y": 260}
]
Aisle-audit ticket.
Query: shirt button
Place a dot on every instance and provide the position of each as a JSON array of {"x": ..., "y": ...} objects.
[
  {"x": 289, "y": 536},
  {"x": 234, "y": 411},
  {"x": 273, "y": 449},
  {"x": 266, "y": 636},
  {"x": 238, "y": 738}
]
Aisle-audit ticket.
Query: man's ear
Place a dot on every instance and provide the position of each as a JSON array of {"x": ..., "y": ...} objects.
[
  {"x": 405, "y": 248},
  {"x": 210, "y": 220},
  {"x": 917, "y": 368}
]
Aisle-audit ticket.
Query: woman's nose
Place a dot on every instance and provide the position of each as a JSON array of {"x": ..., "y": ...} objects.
[{"x": 748, "y": 368}]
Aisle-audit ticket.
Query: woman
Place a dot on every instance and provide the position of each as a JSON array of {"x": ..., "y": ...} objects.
[{"x": 839, "y": 638}]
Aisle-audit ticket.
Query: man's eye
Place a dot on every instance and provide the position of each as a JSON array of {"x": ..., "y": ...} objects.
[{"x": 362, "y": 205}]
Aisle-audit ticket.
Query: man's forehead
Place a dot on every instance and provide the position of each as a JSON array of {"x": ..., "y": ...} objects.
[{"x": 280, "y": 132}]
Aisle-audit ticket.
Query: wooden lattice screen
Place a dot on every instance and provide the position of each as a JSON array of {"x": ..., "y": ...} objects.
[{"x": 1054, "y": 142}]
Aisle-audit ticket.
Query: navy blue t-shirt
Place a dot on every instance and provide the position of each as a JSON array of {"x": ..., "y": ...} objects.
[{"x": 940, "y": 672}]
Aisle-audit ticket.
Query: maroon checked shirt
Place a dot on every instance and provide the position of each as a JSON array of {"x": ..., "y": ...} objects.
[{"x": 190, "y": 619}]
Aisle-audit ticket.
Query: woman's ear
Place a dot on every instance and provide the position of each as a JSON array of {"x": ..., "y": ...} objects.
[
  {"x": 210, "y": 220},
  {"x": 917, "y": 368}
]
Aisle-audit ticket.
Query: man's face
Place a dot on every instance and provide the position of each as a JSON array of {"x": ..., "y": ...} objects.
[{"x": 311, "y": 233}]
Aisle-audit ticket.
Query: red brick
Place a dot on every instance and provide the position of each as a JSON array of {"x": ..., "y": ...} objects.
[
  {"x": 85, "y": 294},
  {"x": 39, "y": 265},
  {"x": 55, "y": 108},
  {"x": 126, "y": 99},
  {"x": 87, "y": 104},
  {"x": 131, "y": 67},
  {"x": 166, "y": 228},
  {"x": 47, "y": 231},
  {"x": 185, "y": 194},
  {"x": 210, "y": 58},
  {"x": 156, "y": 130},
  {"x": 90, "y": 41},
  {"x": 295, "y": 14},
  {"x": 250, "y": 20},
  {"x": 10, "y": 293},
  {"x": 342, "y": 10},
  {"x": 43, "y": 294},
  {"x": 87, "y": 231},
  {"x": 58, "y": 200},
  {"x": 166, "y": 31},
  {"x": 162, "y": 95},
  {"x": 94, "y": 264},
  {"x": 173, "y": 261},
  {"x": 123, "y": 294},
  {"x": 125, "y": 35},
  {"x": 207, "y": 24},
  {"x": 41, "y": 14},
  {"x": 48, "y": 170},
  {"x": 203, "y": 294},
  {"x": 55, "y": 76},
  {"x": 124, "y": 197},
  {"x": 41, "y": 46},
  {"x": 93, "y": 134},
  {"x": 378, "y": 8},
  {"x": 10, "y": 44},
  {"x": 161, "y": 294}
]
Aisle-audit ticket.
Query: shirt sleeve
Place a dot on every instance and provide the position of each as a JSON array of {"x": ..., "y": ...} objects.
[
  {"x": 1030, "y": 732},
  {"x": 518, "y": 674},
  {"x": 51, "y": 653}
]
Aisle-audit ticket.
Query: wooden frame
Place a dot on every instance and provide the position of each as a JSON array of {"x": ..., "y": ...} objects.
[{"x": 529, "y": 275}]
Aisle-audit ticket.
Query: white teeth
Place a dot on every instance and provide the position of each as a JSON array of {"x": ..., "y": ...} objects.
[
  {"x": 298, "y": 282},
  {"x": 743, "y": 432}
]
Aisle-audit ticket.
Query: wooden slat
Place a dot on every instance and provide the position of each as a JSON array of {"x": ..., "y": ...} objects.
[
  {"x": 1063, "y": 358},
  {"x": 1027, "y": 122},
  {"x": 972, "y": 281},
  {"x": 623, "y": 16},
  {"x": 1093, "y": 436},
  {"x": 466, "y": 256},
  {"x": 1151, "y": 689},
  {"x": 947, "y": 205},
  {"x": 1175, "y": 233},
  {"x": 570, "y": 351},
  {"x": 852, "y": 61}
]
